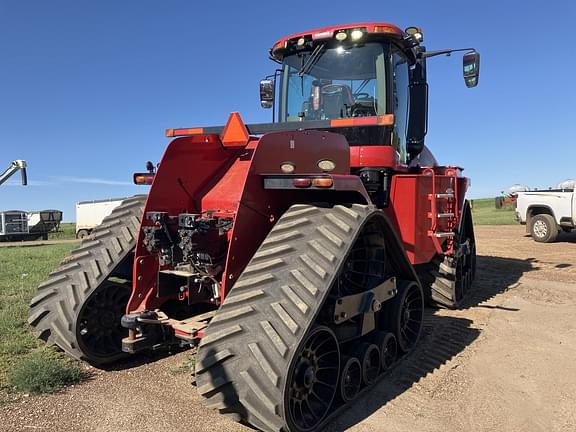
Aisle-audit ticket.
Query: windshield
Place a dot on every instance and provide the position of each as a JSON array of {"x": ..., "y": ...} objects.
[{"x": 334, "y": 82}]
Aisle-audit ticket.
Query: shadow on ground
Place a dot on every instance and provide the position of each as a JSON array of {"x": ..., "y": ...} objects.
[
  {"x": 136, "y": 360},
  {"x": 495, "y": 275},
  {"x": 443, "y": 338}
]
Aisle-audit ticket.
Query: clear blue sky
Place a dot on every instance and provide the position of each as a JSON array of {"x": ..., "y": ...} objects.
[{"x": 88, "y": 87}]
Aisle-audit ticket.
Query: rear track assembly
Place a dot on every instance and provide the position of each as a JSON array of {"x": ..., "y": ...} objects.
[
  {"x": 275, "y": 355},
  {"x": 78, "y": 308}
]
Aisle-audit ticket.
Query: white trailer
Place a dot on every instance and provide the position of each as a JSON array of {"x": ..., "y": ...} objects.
[{"x": 89, "y": 214}]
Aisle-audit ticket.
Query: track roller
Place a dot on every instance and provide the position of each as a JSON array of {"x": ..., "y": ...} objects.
[
  {"x": 386, "y": 342},
  {"x": 350, "y": 379},
  {"x": 369, "y": 356}
]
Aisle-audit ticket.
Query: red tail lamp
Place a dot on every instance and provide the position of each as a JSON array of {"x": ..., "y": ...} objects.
[{"x": 302, "y": 182}]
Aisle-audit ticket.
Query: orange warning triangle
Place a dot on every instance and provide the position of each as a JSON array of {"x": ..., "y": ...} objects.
[{"x": 235, "y": 133}]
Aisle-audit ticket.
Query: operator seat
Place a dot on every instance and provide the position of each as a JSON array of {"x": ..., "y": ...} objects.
[{"x": 337, "y": 100}]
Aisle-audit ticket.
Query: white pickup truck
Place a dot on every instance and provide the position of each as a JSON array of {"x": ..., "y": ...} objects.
[{"x": 546, "y": 212}]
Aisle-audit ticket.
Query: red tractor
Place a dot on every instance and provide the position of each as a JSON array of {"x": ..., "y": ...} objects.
[{"x": 297, "y": 255}]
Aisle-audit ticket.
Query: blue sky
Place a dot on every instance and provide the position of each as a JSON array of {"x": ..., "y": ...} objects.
[{"x": 88, "y": 87}]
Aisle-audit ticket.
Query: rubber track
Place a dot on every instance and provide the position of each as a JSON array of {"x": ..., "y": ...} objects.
[
  {"x": 439, "y": 280},
  {"x": 243, "y": 360},
  {"x": 54, "y": 310}
]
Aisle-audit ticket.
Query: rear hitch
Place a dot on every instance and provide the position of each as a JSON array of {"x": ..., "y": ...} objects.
[
  {"x": 145, "y": 331},
  {"x": 152, "y": 330}
]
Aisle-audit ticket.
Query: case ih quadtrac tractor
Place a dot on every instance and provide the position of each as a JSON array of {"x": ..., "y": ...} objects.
[{"x": 297, "y": 255}]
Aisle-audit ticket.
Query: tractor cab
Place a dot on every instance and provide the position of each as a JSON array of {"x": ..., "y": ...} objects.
[{"x": 369, "y": 76}]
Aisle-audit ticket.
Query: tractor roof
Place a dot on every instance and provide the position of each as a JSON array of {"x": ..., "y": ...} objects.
[{"x": 328, "y": 33}]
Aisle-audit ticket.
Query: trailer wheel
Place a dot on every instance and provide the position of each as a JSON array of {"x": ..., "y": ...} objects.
[
  {"x": 82, "y": 234},
  {"x": 543, "y": 228},
  {"x": 78, "y": 308}
]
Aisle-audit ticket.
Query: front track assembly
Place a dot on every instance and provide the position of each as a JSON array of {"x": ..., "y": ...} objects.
[{"x": 319, "y": 314}]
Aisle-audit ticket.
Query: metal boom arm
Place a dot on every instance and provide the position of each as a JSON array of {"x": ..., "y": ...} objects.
[{"x": 14, "y": 167}]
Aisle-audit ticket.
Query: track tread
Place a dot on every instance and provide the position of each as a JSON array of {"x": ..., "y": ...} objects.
[{"x": 54, "y": 309}]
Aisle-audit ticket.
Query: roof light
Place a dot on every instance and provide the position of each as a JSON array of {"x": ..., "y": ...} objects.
[
  {"x": 385, "y": 29},
  {"x": 340, "y": 36},
  {"x": 301, "y": 41},
  {"x": 356, "y": 34},
  {"x": 415, "y": 32},
  {"x": 322, "y": 35}
]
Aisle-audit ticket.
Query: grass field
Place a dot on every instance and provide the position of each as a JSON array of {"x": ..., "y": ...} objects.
[
  {"x": 67, "y": 231},
  {"x": 24, "y": 362},
  {"x": 484, "y": 212}
]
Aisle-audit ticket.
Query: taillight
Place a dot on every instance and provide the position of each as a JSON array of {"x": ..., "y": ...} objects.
[
  {"x": 302, "y": 182},
  {"x": 143, "y": 178},
  {"x": 322, "y": 182}
]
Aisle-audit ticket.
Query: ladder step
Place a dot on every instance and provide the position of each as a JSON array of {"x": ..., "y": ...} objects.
[
  {"x": 445, "y": 215},
  {"x": 445, "y": 195},
  {"x": 444, "y": 234}
]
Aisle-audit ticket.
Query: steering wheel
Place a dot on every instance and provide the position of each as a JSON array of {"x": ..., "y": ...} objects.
[
  {"x": 331, "y": 89},
  {"x": 362, "y": 96}
]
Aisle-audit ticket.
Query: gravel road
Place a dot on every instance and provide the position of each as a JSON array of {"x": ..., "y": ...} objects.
[{"x": 504, "y": 362}]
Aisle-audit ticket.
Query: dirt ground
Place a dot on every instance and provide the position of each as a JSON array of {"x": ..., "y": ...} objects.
[{"x": 505, "y": 362}]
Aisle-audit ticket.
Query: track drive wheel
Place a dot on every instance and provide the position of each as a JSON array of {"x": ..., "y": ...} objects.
[
  {"x": 405, "y": 314},
  {"x": 273, "y": 355},
  {"x": 79, "y": 307}
]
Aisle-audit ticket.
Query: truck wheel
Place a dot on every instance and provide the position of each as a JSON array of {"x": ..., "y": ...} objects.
[
  {"x": 82, "y": 233},
  {"x": 79, "y": 307},
  {"x": 543, "y": 228}
]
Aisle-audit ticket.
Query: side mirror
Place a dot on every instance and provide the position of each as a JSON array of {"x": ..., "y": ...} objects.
[
  {"x": 267, "y": 93},
  {"x": 471, "y": 68}
]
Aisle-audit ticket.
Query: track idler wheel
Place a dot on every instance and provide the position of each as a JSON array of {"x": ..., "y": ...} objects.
[
  {"x": 313, "y": 380},
  {"x": 350, "y": 379},
  {"x": 404, "y": 315},
  {"x": 388, "y": 346}
]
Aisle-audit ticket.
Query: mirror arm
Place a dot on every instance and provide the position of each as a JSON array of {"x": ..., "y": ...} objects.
[{"x": 447, "y": 52}]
